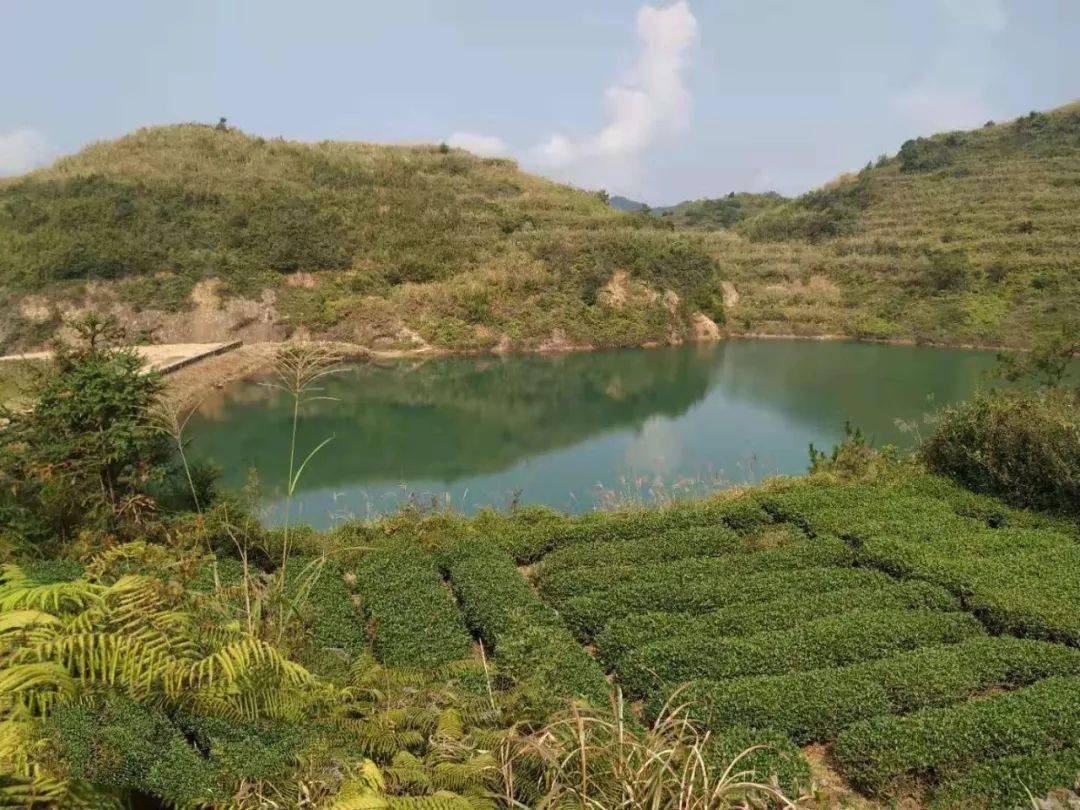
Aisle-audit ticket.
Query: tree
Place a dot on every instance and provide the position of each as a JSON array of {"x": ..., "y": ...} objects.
[{"x": 88, "y": 452}]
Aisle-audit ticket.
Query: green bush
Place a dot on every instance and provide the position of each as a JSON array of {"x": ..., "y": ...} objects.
[
  {"x": 1011, "y": 781},
  {"x": 325, "y": 609},
  {"x": 113, "y": 742},
  {"x": 817, "y": 704},
  {"x": 1023, "y": 447},
  {"x": 887, "y": 753},
  {"x": 829, "y": 642},
  {"x": 412, "y": 615},
  {"x": 590, "y": 613},
  {"x": 805, "y": 554},
  {"x": 528, "y": 638},
  {"x": 531, "y": 533},
  {"x": 624, "y": 634},
  {"x": 703, "y": 541}
]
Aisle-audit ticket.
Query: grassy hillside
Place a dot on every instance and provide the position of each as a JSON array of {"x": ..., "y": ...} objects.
[
  {"x": 721, "y": 212},
  {"x": 355, "y": 240},
  {"x": 962, "y": 237}
]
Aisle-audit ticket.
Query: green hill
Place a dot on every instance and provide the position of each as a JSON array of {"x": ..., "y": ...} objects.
[
  {"x": 195, "y": 232},
  {"x": 356, "y": 241},
  {"x": 965, "y": 237},
  {"x": 721, "y": 212}
]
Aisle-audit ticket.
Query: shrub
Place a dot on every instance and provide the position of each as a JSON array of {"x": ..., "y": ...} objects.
[
  {"x": 590, "y": 613},
  {"x": 806, "y": 554},
  {"x": 624, "y": 634},
  {"x": 413, "y": 619},
  {"x": 818, "y": 704},
  {"x": 1012, "y": 781},
  {"x": 703, "y": 541},
  {"x": 1023, "y": 447},
  {"x": 882, "y": 754},
  {"x": 829, "y": 642},
  {"x": 926, "y": 154},
  {"x": 527, "y": 636}
]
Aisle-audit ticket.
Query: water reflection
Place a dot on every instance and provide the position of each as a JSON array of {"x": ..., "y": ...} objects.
[{"x": 480, "y": 430}]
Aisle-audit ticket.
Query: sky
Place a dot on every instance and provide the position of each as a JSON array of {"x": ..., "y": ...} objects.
[{"x": 661, "y": 101}]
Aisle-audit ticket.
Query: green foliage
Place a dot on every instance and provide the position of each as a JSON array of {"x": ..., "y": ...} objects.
[
  {"x": 563, "y": 585},
  {"x": 87, "y": 452},
  {"x": 815, "y": 705},
  {"x": 784, "y": 612},
  {"x": 589, "y": 614},
  {"x": 929, "y": 154},
  {"x": 722, "y": 212},
  {"x": 120, "y": 744},
  {"x": 528, "y": 638},
  {"x": 822, "y": 214},
  {"x": 880, "y": 755},
  {"x": 413, "y": 619},
  {"x": 1012, "y": 781},
  {"x": 832, "y": 641},
  {"x": 1023, "y": 447}
]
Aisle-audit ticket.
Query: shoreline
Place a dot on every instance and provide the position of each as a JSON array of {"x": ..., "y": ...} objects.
[{"x": 189, "y": 386}]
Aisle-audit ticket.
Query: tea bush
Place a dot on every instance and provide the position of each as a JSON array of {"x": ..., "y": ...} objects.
[
  {"x": 413, "y": 619},
  {"x": 882, "y": 754},
  {"x": 1011, "y": 781},
  {"x": 528, "y": 638},
  {"x": 704, "y": 541},
  {"x": 589, "y": 614},
  {"x": 784, "y": 612},
  {"x": 829, "y": 642},
  {"x": 821, "y": 551},
  {"x": 815, "y": 705}
]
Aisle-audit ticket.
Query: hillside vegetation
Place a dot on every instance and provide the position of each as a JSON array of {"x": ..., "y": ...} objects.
[
  {"x": 361, "y": 242},
  {"x": 964, "y": 237}
]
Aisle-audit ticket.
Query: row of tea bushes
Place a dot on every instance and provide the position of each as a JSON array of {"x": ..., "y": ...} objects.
[
  {"x": 818, "y": 704},
  {"x": 998, "y": 560},
  {"x": 589, "y": 614},
  {"x": 833, "y": 641},
  {"x": 413, "y": 619},
  {"x": 533, "y": 532},
  {"x": 528, "y": 638},
  {"x": 674, "y": 544},
  {"x": 805, "y": 554},
  {"x": 786, "y": 612},
  {"x": 886, "y": 754},
  {"x": 1011, "y": 781}
]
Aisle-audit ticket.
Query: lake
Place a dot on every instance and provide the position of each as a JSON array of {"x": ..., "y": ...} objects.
[{"x": 573, "y": 431}]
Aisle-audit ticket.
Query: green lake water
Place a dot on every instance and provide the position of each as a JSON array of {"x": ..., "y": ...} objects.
[{"x": 574, "y": 431}]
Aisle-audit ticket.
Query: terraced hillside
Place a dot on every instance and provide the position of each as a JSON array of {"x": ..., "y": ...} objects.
[
  {"x": 907, "y": 631},
  {"x": 965, "y": 237},
  {"x": 203, "y": 232}
]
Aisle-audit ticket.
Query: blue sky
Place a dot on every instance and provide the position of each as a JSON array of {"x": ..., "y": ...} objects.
[{"x": 661, "y": 101}]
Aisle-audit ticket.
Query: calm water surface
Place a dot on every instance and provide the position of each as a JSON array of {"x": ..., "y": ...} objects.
[{"x": 574, "y": 431}]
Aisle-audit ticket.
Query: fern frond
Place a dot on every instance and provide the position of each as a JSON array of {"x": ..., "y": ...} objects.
[
  {"x": 19, "y": 592},
  {"x": 35, "y": 687}
]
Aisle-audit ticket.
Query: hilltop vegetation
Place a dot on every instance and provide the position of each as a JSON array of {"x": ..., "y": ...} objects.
[
  {"x": 356, "y": 241},
  {"x": 963, "y": 237}
]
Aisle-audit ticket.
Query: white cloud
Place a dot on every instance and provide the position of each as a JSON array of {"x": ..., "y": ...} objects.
[
  {"x": 22, "y": 150},
  {"x": 650, "y": 103},
  {"x": 988, "y": 14},
  {"x": 483, "y": 145},
  {"x": 938, "y": 110}
]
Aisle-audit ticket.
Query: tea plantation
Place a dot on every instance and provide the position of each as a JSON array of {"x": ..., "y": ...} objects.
[{"x": 926, "y": 636}]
